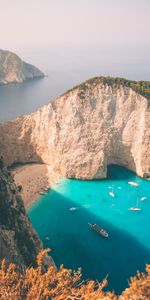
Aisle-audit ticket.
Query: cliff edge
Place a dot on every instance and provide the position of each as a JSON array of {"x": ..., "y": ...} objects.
[
  {"x": 15, "y": 70},
  {"x": 19, "y": 242},
  {"x": 97, "y": 123}
]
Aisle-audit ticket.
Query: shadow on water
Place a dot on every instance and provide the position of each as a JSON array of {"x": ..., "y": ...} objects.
[
  {"x": 75, "y": 245},
  {"x": 115, "y": 172}
]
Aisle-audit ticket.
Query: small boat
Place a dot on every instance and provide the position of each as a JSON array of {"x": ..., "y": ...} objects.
[
  {"x": 143, "y": 198},
  {"x": 112, "y": 194},
  {"x": 73, "y": 208},
  {"x": 99, "y": 230},
  {"x": 42, "y": 193},
  {"x": 119, "y": 188},
  {"x": 135, "y": 208},
  {"x": 133, "y": 183},
  {"x": 47, "y": 238}
]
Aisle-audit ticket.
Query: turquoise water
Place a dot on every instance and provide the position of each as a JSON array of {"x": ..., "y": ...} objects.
[{"x": 75, "y": 245}]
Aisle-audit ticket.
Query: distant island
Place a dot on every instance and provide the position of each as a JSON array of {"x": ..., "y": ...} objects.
[{"x": 14, "y": 70}]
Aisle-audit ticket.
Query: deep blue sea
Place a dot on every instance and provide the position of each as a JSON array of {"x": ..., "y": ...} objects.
[{"x": 75, "y": 245}]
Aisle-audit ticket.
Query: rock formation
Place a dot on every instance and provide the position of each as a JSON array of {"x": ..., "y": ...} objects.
[
  {"x": 13, "y": 69},
  {"x": 95, "y": 124},
  {"x": 18, "y": 241}
]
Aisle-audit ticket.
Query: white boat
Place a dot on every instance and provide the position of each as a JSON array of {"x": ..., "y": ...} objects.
[
  {"x": 143, "y": 198},
  {"x": 112, "y": 194},
  {"x": 133, "y": 183},
  {"x": 42, "y": 193},
  {"x": 73, "y": 208},
  {"x": 135, "y": 208}
]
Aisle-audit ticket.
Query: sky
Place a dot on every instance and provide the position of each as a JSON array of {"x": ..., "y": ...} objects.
[
  {"x": 84, "y": 28},
  {"x": 32, "y": 22}
]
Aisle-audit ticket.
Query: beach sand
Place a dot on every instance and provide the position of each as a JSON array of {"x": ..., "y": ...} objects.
[{"x": 33, "y": 178}]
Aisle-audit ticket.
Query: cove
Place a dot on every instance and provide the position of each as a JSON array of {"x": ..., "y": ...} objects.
[{"x": 75, "y": 245}]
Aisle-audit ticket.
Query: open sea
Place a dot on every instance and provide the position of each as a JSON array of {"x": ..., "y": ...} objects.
[
  {"x": 67, "y": 66},
  {"x": 74, "y": 244}
]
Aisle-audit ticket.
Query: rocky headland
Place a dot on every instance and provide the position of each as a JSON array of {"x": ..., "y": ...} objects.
[
  {"x": 14, "y": 70},
  {"x": 100, "y": 122}
]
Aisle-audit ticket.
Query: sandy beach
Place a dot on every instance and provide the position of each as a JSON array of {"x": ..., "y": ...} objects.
[{"x": 33, "y": 178}]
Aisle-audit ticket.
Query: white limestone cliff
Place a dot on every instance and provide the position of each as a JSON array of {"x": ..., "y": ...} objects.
[{"x": 83, "y": 131}]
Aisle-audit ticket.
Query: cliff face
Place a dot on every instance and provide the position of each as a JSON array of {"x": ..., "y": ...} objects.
[
  {"x": 13, "y": 69},
  {"x": 80, "y": 133},
  {"x": 18, "y": 240}
]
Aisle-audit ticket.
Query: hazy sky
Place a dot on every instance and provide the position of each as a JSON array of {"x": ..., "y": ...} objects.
[
  {"x": 106, "y": 35},
  {"x": 98, "y": 22},
  {"x": 71, "y": 41}
]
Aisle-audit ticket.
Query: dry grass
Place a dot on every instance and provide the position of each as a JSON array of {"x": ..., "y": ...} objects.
[{"x": 63, "y": 284}]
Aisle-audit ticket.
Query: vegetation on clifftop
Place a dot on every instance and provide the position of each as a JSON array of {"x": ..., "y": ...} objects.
[
  {"x": 140, "y": 87},
  {"x": 63, "y": 284}
]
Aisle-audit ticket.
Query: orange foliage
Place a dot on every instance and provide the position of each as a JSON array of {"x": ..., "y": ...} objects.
[{"x": 63, "y": 284}]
